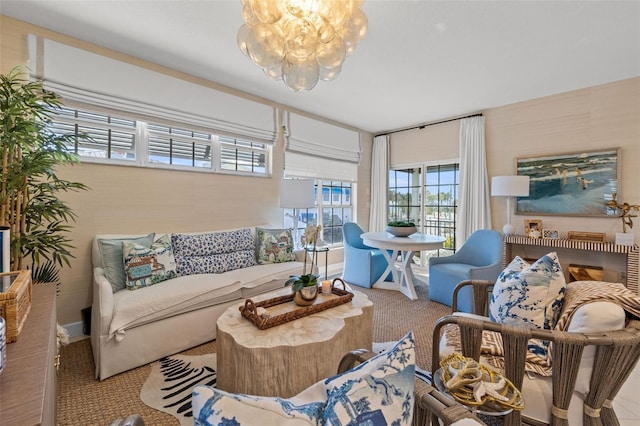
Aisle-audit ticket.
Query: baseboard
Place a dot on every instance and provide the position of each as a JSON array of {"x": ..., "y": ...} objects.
[{"x": 75, "y": 330}]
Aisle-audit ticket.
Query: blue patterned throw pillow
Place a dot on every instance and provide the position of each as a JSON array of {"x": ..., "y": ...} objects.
[
  {"x": 530, "y": 294},
  {"x": 379, "y": 391},
  {"x": 213, "y": 253}
]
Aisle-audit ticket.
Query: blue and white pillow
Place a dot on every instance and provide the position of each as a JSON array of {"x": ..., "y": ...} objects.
[
  {"x": 213, "y": 253},
  {"x": 379, "y": 391},
  {"x": 530, "y": 294}
]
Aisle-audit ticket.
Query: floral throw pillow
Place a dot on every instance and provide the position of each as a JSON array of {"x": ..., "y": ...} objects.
[
  {"x": 145, "y": 266},
  {"x": 379, "y": 391},
  {"x": 530, "y": 294},
  {"x": 274, "y": 246}
]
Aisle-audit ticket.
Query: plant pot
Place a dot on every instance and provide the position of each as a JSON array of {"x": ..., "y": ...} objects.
[
  {"x": 401, "y": 231},
  {"x": 306, "y": 296}
]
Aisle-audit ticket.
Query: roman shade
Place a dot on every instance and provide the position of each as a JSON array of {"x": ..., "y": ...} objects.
[
  {"x": 316, "y": 149},
  {"x": 83, "y": 76}
]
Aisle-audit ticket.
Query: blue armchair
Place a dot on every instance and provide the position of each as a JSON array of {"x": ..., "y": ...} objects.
[
  {"x": 479, "y": 258},
  {"x": 363, "y": 265}
]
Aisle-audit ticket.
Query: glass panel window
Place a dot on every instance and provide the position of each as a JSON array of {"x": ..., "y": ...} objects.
[
  {"x": 109, "y": 137},
  {"x": 182, "y": 147},
  {"x": 441, "y": 203},
  {"x": 103, "y": 136},
  {"x": 334, "y": 200},
  {"x": 404, "y": 195},
  {"x": 244, "y": 156},
  {"x": 437, "y": 214}
]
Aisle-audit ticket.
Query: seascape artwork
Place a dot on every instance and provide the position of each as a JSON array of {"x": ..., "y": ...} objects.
[{"x": 576, "y": 184}]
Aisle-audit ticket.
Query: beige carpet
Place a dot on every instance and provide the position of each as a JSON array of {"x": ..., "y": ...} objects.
[{"x": 84, "y": 401}]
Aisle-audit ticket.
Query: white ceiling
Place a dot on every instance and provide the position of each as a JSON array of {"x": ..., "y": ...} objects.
[{"x": 422, "y": 61}]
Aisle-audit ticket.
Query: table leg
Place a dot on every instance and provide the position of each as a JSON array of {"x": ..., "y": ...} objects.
[
  {"x": 403, "y": 277},
  {"x": 326, "y": 264}
]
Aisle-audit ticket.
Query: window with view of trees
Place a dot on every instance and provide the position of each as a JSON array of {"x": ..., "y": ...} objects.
[{"x": 428, "y": 196}]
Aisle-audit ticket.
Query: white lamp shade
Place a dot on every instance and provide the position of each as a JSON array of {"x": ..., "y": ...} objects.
[
  {"x": 510, "y": 186},
  {"x": 296, "y": 194}
]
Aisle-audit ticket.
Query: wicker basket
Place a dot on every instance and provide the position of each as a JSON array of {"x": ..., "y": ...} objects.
[{"x": 15, "y": 301}]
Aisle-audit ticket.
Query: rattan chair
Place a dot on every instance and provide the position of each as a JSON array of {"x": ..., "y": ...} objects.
[
  {"x": 429, "y": 402},
  {"x": 617, "y": 353}
]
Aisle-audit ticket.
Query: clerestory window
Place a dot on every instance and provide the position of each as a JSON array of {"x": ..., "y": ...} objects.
[{"x": 112, "y": 138}]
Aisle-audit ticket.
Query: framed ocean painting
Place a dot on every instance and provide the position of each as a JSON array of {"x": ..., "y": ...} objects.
[{"x": 572, "y": 184}]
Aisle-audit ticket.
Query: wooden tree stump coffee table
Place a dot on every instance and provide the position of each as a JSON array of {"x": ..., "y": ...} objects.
[{"x": 286, "y": 359}]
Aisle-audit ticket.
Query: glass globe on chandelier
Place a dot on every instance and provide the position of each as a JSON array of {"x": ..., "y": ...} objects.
[{"x": 301, "y": 41}]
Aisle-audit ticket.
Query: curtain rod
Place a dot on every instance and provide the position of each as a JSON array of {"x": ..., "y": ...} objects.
[{"x": 422, "y": 126}]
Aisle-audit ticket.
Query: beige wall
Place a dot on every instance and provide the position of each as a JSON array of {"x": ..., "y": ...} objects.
[
  {"x": 413, "y": 146},
  {"x": 131, "y": 200},
  {"x": 598, "y": 117}
]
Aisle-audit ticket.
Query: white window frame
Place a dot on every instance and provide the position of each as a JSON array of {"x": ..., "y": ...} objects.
[
  {"x": 141, "y": 144},
  {"x": 320, "y": 205},
  {"x": 423, "y": 184}
]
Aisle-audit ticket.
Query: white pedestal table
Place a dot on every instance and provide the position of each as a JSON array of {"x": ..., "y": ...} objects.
[{"x": 403, "y": 278}]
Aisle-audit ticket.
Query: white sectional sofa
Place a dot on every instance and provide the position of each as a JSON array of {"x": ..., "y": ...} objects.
[{"x": 135, "y": 325}]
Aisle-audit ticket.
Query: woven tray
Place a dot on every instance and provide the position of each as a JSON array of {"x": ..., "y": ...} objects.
[{"x": 289, "y": 311}]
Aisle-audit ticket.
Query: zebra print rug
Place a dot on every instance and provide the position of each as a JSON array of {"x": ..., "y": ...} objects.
[{"x": 169, "y": 385}]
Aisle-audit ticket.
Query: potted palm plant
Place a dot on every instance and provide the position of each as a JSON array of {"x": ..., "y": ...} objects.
[{"x": 30, "y": 188}]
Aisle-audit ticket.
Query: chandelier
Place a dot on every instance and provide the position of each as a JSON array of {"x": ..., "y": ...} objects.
[{"x": 301, "y": 41}]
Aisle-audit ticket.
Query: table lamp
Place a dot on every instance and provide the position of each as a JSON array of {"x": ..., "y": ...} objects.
[
  {"x": 296, "y": 194},
  {"x": 509, "y": 186}
]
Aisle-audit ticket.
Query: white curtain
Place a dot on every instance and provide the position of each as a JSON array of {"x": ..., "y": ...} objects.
[
  {"x": 474, "y": 203},
  {"x": 379, "y": 183}
]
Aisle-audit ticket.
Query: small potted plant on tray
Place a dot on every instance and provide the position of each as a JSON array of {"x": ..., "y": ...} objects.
[
  {"x": 305, "y": 286},
  {"x": 401, "y": 228}
]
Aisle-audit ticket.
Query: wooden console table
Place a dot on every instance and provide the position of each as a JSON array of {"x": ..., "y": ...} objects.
[
  {"x": 28, "y": 382},
  {"x": 631, "y": 252}
]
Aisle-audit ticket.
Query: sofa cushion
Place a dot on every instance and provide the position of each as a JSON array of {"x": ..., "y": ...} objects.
[
  {"x": 145, "y": 266},
  {"x": 213, "y": 253},
  {"x": 381, "y": 388},
  {"x": 112, "y": 259},
  {"x": 168, "y": 298},
  {"x": 274, "y": 246},
  {"x": 530, "y": 294}
]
